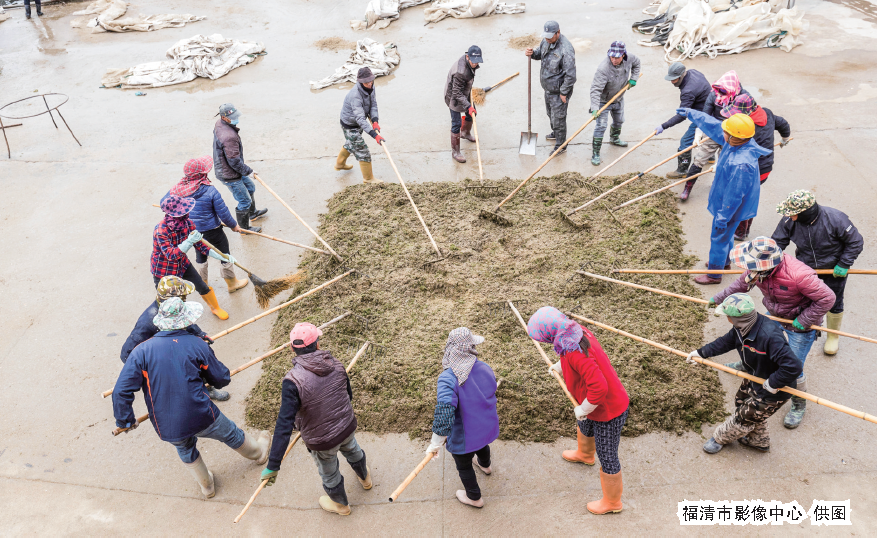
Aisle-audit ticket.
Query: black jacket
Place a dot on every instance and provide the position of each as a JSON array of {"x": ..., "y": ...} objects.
[
  {"x": 693, "y": 93},
  {"x": 145, "y": 329},
  {"x": 832, "y": 239},
  {"x": 714, "y": 110},
  {"x": 228, "y": 153},
  {"x": 765, "y": 353},
  {"x": 764, "y": 135},
  {"x": 458, "y": 86}
]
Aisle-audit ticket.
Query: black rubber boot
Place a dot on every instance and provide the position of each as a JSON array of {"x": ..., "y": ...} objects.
[
  {"x": 337, "y": 493},
  {"x": 686, "y": 192},
  {"x": 244, "y": 221},
  {"x": 683, "y": 162},
  {"x": 615, "y": 137},
  {"x": 255, "y": 213},
  {"x": 360, "y": 468}
]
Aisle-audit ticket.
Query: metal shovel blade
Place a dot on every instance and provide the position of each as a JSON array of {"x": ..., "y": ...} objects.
[{"x": 528, "y": 143}]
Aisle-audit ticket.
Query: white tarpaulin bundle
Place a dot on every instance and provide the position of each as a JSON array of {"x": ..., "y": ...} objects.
[
  {"x": 199, "y": 56},
  {"x": 381, "y": 58},
  {"x": 104, "y": 17},
  {"x": 468, "y": 9},
  {"x": 727, "y": 27},
  {"x": 380, "y": 13}
]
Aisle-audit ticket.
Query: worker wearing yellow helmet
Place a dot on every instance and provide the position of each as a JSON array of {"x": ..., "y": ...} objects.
[{"x": 734, "y": 194}]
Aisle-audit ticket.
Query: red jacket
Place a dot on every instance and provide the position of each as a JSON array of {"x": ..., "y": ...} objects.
[
  {"x": 591, "y": 376},
  {"x": 792, "y": 291}
]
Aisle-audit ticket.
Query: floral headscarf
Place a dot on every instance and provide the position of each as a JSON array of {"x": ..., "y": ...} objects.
[
  {"x": 551, "y": 326},
  {"x": 727, "y": 88},
  {"x": 195, "y": 175}
]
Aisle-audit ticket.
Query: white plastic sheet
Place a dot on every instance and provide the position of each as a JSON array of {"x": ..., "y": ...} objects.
[
  {"x": 381, "y": 58},
  {"x": 380, "y": 13},
  {"x": 104, "y": 16},
  {"x": 468, "y": 9}
]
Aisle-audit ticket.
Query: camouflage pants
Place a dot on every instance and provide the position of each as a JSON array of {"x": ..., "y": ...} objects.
[
  {"x": 354, "y": 143},
  {"x": 750, "y": 418},
  {"x": 702, "y": 153}
]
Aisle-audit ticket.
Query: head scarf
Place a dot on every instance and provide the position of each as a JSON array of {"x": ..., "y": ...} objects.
[
  {"x": 176, "y": 223},
  {"x": 727, "y": 88},
  {"x": 460, "y": 354},
  {"x": 744, "y": 323},
  {"x": 550, "y": 325},
  {"x": 194, "y": 175}
]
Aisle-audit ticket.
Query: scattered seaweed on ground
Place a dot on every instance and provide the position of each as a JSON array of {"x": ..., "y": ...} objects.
[
  {"x": 334, "y": 44},
  {"x": 412, "y": 306},
  {"x": 525, "y": 42}
]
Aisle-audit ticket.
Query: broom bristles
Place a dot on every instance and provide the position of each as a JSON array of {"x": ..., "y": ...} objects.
[
  {"x": 478, "y": 96},
  {"x": 266, "y": 292}
]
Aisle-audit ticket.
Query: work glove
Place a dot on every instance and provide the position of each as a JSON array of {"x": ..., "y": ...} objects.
[
  {"x": 784, "y": 143},
  {"x": 227, "y": 259},
  {"x": 132, "y": 427},
  {"x": 632, "y": 83},
  {"x": 711, "y": 303},
  {"x": 659, "y": 129},
  {"x": 375, "y": 126},
  {"x": 270, "y": 475},
  {"x": 555, "y": 368},
  {"x": 594, "y": 113},
  {"x": 190, "y": 241},
  {"x": 797, "y": 324},
  {"x": 768, "y": 388},
  {"x": 841, "y": 272},
  {"x": 682, "y": 112},
  {"x": 472, "y": 111},
  {"x": 436, "y": 443},
  {"x": 207, "y": 339},
  {"x": 690, "y": 358},
  {"x": 380, "y": 139},
  {"x": 586, "y": 408}
]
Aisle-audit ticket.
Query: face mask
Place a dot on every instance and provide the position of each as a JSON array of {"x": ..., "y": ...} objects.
[{"x": 233, "y": 122}]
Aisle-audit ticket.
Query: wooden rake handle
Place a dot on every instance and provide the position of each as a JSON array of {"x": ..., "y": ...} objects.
[
  {"x": 544, "y": 357},
  {"x": 501, "y": 82},
  {"x": 216, "y": 250},
  {"x": 568, "y": 140},
  {"x": 744, "y": 375},
  {"x": 727, "y": 271},
  {"x": 266, "y": 236},
  {"x": 398, "y": 491},
  {"x": 475, "y": 130},
  {"x": 625, "y": 154}
]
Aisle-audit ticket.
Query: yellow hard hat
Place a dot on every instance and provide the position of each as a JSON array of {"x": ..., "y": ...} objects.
[{"x": 739, "y": 126}]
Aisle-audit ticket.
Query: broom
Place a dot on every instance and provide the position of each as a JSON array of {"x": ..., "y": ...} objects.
[{"x": 480, "y": 94}]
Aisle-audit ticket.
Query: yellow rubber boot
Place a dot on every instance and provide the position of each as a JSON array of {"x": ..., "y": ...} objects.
[
  {"x": 611, "y": 501},
  {"x": 211, "y": 301},
  {"x": 234, "y": 284},
  {"x": 832, "y": 340},
  {"x": 367, "y": 176},
  {"x": 341, "y": 163},
  {"x": 584, "y": 453}
]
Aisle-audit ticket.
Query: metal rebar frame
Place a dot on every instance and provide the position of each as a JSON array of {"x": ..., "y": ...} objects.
[{"x": 48, "y": 111}]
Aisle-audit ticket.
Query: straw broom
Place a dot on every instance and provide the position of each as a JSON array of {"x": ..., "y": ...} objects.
[{"x": 479, "y": 95}]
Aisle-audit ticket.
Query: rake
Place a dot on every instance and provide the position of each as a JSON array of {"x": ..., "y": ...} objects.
[{"x": 482, "y": 190}]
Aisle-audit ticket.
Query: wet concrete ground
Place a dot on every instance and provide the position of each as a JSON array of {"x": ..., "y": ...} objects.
[{"x": 74, "y": 267}]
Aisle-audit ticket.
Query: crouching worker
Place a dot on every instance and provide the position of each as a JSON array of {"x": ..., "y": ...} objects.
[
  {"x": 171, "y": 368},
  {"x": 465, "y": 413},
  {"x": 591, "y": 380},
  {"x": 316, "y": 400},
  {"x": 764, "y": 352}
]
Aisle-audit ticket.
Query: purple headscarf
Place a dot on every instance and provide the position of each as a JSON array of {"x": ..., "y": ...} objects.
[{"x": 551, "y": 326}]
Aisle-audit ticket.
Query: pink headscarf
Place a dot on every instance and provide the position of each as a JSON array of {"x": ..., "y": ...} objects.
[
  {"x": 195, "y": 172},
  {"x": 727, "y": 88},
  {"x": 551, "y": 326}
]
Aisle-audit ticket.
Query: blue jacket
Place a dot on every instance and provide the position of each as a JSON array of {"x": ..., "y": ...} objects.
[
  {"x": 735, "y": 189},
  {"x": 145, "y": 329},
  {"x": 694, "y": 90},
  {"x": 209, "y": 209},
  {"x": 476, "y": 423},
  {"x": 171, "y": 368}
]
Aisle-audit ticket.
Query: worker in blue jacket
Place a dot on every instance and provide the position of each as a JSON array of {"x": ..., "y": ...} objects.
[
  {"x": 734, "y": 193},
  {"x": 171, "y": 369}
]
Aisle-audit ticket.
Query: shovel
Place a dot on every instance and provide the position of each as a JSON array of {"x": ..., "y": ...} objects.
[{"x": 528, "y": 139}]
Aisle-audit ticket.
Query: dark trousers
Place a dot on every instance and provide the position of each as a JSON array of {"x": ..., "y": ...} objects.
[
  {"x": 556, "y": 110},
  {"x": 467, "y": 472},
  {"x": 192, "y": 276},
  {"x": 837, "y": 285},
  {"x": 457, "y": 120},
  {"x": 215, "y": 237},
  {"x": 27, "y": 7}
]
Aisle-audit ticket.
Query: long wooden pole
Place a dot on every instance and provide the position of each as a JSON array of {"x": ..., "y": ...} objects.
[
  {"x": 704, "y": 301},
  {"x": 225, "y": 258},
  {"x": 625, "y": 154},
  {"x": 398, "y": 491},
  {"x": 295, "y": 439},
  {"x": 662, "y": 189},
  {"x": 299, "y": 245},
  {"x": 544, "y": 357},
  {"x": 410, "y": 199},
  {"x": 477, "y": 143},
  {"x": 744, "y": 375},
  {"x": 294, "y": 214},
  {"x": 727, "y": 271}
]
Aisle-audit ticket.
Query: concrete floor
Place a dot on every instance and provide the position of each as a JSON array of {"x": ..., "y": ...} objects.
[{"x": 74, "y": 268}]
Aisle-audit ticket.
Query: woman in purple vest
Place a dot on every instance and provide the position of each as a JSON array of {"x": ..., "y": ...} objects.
[{"x": 465, "y": 413}]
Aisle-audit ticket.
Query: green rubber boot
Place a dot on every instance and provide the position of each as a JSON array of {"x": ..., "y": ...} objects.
[
  {"x": 595, "y": 151},
  {"x": 799, "y": 406},
  {"x": 615, "y": 137}
]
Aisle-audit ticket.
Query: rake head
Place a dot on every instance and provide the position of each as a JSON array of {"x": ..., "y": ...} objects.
[
  {"x": 584, "y": 183},
  {"x": 495, "y": 218},
  {"x": 482, "y": 191},
  {"x": 568, "y": 219},
  {"x": 353, "y": 343}
]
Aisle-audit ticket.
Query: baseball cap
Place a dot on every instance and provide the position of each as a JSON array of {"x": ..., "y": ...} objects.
[
  {"x": 304, "y": 334},
  {"x": 551, "y": 28},
  {"x": 677, "y": 69},
  {"x": 474, "y": 54},
  {"x": 229, "y": 111},
  {"x": 736, "y": 305}
]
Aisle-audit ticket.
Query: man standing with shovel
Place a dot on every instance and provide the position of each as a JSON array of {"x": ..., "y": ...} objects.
[{"x": 558, "y": 76}]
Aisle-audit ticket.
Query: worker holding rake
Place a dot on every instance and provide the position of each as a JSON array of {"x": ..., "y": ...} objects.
[
  {"x": 359, "y": 114},
  {"x": 618, "y": 69},
  {"x": 592, "y": 381},
  {"x": 458, "y": 90}
]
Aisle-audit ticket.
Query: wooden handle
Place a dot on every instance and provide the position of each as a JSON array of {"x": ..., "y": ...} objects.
[
  {"x": 625, "y": 154},
  {"x": 727, "y": 271},
  {"x": 664, "y": 188},
  {"x": 477, "y": 144},
  {"x": 722, "y": 367},
  {"x": 410, "y": 199},
  {"x": 634, "y": 178},
  {"x": 544, "y": 357},
  {"x": 265, "y": 482},
  {"x": 312, "y": 249},
  {"x": 503, "y": 81},
  {"x": 414, "y": 473},
  {"x": 294, "y": 214},
  {"x": 224, "y": 257},
  {"x": 529, "y": 97},
  {"x": 568, "y": 140},
  {"x": 357, "y": 356}
]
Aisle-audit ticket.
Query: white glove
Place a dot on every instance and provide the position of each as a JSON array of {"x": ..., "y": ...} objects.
[
  {"x": 436, "y": 443},
  {"x": 582, "y": 411},
  {"x": 784, "y": 143},
  {"x": 768, "y": 388},
  {"x": 555, "y": 368},
  {"x": 690, "y": 358},
  {"x": 227, "y": 259}
]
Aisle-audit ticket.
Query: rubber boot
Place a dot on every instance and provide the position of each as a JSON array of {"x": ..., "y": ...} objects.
[
  {"x": 202, "y": 270},
  {"x": 596, "y": 144},
  {"x": 336, "y": 500},
  {"x": 466, "y": 131},
  {"x": 742, "y": 231},
  {"x": 686, "y": 192},
  {"x": 799, "y": 406},
  {"x": 231, "y": 280},
  {"x": 363, "y": 474},
  {"x": 217, "y": 395},
  {"x": 367, "y": 176},
  {"x": 256, "y": 214},
  {"x": 611, "y": 501},
  {"x": 615, "y": 137},
  {"x": 585, "y": 451},
  {"x": 256, "y": 449},
  {"x": 832, "y": 341},
  {"x": 203, "y": 476},
  {"x": 708, "y": 279},
  {"x": 213, "y": 304},
  {"x": 682, "y": 163},
  {"x": 341, "y": 161},
  {"x": 455, "y": 148},
  {"x": 244, "y": 221}
]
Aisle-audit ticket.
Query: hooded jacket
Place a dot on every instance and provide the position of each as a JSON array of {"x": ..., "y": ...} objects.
[
  {"x": 458, "y": 86},
  {"x": 734, "y": 193},
  {"x": 791, "y": 291},
  {"x": 360, "y": 105},
  {"x": 609, "y": 79},
  {"x": 228, "y": 153},
  {"x": 694, "y": 90},
  {"x": 557, "y": 73},
  {"x": 209, "y": 210},
  {"x": 765, "y": 353},
  {"x": 830, "y": 239},
  {"x": 476, "y": 423},
  {"x": 766, "y": 122}
]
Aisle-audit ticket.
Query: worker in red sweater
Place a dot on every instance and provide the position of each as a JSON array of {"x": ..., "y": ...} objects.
[{"x": 592, "y": 381}]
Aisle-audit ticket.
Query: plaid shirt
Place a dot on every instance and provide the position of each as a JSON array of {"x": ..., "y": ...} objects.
[{"x": 166, "y": 258}]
